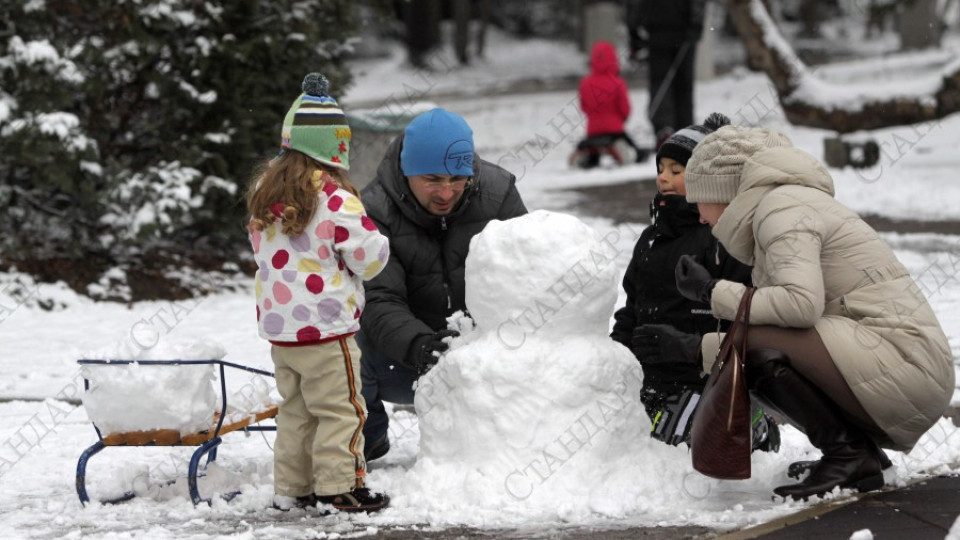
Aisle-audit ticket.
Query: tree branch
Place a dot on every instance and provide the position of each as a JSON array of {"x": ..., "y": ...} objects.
[{"x": 805, "y": 98}]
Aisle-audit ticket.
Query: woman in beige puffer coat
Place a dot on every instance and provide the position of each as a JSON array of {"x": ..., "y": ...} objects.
[{"x": 841, "y": 340}]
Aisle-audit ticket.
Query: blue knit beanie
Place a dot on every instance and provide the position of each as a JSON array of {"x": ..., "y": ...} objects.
[{"x": 437, "y": 142}]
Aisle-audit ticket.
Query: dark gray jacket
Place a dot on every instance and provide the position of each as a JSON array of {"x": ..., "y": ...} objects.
[{"x": 423, "y": 283}]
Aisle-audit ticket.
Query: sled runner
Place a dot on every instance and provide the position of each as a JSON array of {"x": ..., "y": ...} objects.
[{"x": 207, "y": 440}]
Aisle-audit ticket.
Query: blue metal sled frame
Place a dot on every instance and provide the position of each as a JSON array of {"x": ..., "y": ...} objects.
[{"x": 209, "y": 447}]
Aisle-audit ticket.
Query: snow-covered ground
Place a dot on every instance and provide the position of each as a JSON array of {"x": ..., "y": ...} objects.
[{"x": 43, "y": 433}]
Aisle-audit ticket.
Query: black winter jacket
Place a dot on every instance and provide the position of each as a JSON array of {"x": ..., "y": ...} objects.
[
  {"x": 423, "y": 283},
  {"x": 652, "y": 296}
]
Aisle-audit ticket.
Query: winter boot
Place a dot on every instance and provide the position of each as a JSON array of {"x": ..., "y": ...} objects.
[
  {"x": 356, "y": 500},
  {"x": 376, "y": 449},
  {"x": 800, "y": 468},
  {"x": 850, "y": 458}
]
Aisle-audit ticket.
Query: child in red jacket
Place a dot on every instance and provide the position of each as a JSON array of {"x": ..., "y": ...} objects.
[{"x": 605, "y": 103}]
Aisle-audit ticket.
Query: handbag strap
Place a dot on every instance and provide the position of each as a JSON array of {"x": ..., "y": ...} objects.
[{"x": 742, "y": 320}]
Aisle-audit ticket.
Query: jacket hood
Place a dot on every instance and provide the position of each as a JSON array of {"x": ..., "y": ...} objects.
[
  {"x": 784, "y": 166},
  {"x": 762, "y": 173},
  {"x": 603, "y": 59}
]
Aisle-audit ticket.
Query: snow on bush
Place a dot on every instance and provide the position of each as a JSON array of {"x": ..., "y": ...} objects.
[{"x": 159, "y": 201}]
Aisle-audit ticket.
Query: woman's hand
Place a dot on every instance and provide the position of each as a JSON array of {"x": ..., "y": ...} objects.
[{"x": 694, "y": 282}]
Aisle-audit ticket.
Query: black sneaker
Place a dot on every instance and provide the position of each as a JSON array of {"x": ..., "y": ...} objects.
[
  {"x": 376, "y": 449},
  {"x": 285, "y": 503},
  {"x": 357, "y": 500}
]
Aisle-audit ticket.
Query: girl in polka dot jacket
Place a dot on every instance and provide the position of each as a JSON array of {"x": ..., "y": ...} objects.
[{"x": 314, "y": 246}]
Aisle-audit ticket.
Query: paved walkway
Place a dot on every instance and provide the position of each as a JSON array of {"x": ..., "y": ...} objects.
[{"x": 921, "y": 511}]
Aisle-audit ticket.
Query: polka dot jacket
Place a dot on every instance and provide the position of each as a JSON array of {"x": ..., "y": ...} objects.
[{"x": 310, "y": 287}]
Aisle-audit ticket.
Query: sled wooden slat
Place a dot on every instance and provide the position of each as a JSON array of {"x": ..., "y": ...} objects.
[{"x": 172, "y": 437}]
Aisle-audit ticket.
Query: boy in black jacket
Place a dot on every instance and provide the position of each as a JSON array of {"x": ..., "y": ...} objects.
[{"x": 661, "y": 327}]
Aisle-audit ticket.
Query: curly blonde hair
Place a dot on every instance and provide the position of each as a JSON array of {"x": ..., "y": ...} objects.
[{"x": 293, "y": 179}]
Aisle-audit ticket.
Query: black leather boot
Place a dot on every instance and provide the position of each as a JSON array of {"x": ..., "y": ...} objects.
[
  {"x": 800, "y": 468},
  {"x": 850, "y": 458}
]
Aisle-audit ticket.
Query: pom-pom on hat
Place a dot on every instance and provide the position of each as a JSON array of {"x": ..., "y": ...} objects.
[
  {"x": 437, "y": 142},
  {"x": 316, "y": 125},
  {"x": 713, "y": 172},
  {"x": 680, "y": 145}
]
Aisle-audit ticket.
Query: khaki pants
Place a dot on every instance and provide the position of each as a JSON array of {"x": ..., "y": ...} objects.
[{"x": 319, "y": 446}]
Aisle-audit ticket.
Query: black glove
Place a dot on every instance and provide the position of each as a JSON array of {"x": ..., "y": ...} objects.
[
  {"x": 425, "y": 350},
  {"x": 662, "y": 343},
  {"x": 694, "y": 282}
]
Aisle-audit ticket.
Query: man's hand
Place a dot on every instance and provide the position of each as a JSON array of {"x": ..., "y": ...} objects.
[
  {"x": 662, "y": 343},
  {"x": 425, "y": 350},
  {"x": 694, "y": 282}
]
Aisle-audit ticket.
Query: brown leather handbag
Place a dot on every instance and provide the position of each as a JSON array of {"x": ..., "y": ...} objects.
[{"x": 721, "y": 432}]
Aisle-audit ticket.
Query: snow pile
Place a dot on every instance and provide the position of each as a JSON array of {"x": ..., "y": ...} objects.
[
  {"x": 145, "y": 342},
  {"x": 139, "y": 397},
  {"x": 134, "y": 397},
  {"x": 954, "y": 533},
  {"x": 536, "y": 411}
]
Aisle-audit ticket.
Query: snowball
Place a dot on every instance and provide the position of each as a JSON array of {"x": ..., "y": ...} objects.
[
  {"x": 862, "y": 534},
  {"x": 543, "y": 273}
]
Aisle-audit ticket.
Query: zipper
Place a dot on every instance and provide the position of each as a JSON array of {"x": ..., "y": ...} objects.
[
  {"x": 733, "y": 393},
  {"x": 443, "y": 264}
]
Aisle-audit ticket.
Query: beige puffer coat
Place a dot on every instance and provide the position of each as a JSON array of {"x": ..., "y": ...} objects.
[{"x": 817, "y": 264}]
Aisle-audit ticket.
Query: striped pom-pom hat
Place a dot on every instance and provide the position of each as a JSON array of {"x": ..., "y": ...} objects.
[
  {"x": 316, "y": 126},
  {"x": 679, "y": 147}
]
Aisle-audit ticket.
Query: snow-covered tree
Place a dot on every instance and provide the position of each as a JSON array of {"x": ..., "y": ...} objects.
[
  {"x": 128, "y": 125},
  {"x": 808, "y": 100}
]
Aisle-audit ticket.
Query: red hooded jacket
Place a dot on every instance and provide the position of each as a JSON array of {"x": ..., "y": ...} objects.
[{"x": 603, "y": 94}]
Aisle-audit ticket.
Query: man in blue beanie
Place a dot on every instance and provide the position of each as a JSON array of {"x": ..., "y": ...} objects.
[{"x": 430, "y": 196}]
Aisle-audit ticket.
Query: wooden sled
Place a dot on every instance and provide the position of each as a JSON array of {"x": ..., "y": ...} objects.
[{"x": 207, "y": 440}]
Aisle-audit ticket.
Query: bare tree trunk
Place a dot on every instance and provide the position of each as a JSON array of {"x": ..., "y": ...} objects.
[
  {"x": 461, "y": 29},
  {"x": 422, "y": 19},
  {"x": 810, "y": 18},
  {"x": 484, "y": 16},
  {"x": 798, "y": 88}
]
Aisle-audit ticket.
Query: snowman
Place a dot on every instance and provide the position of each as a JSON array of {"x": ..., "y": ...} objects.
[{"x": 534, "y": 409}]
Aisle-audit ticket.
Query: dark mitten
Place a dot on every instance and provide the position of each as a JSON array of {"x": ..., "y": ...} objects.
[
  {"x": 662, "y": 343},
  {"x": 694, "y": 282},
  {"x": 426, "y": 349}
]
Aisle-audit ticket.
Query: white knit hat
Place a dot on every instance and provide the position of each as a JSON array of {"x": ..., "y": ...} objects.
[{"x": 713, "y": 172}]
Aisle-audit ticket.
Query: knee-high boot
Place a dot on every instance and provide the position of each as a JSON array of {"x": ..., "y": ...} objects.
[{"x": 850, "y": 458}]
